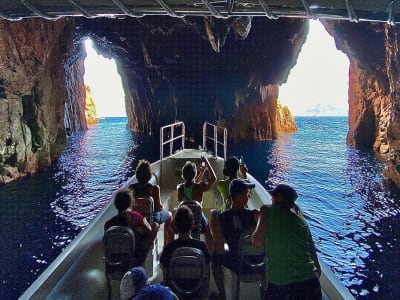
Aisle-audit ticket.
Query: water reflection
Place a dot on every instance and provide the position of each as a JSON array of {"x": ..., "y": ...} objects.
[{"x": 351, "y": 214}]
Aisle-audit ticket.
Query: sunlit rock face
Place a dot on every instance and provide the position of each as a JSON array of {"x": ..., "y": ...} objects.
[
  {"x": 201, "y": 69},
  {"x": 374, "y": 78},
  {"x": 90, "y": 108},
  {"x": 32, "y": 94},
  {"x": 285, "y": 121}
]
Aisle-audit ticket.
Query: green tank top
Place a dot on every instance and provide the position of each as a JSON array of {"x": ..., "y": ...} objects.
[
  {"x": 287, "y": 247},
  {"x": 187, "y": 192}
]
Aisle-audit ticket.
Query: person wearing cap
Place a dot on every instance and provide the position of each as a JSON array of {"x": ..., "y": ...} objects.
[
  {"x": 293, "y": 267},
  {"x": 231, "y": 167},
  {"x": 134, "y": 286},
  {"x": 228, "y": 227}
]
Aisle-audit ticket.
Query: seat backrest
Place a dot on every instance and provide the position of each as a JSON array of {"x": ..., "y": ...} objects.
[
  {"x": 144, "y": 205},
  {"x": 189, "y": 273},
  {"x": 119, "y": 250},
  {"x": 251, "y": 258},
  {"x": 197, "y": 211}
]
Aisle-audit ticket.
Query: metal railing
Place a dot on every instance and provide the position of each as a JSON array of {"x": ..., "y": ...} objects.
[
  {"x": 352, "y": 10},
  {"x": 172, "y": 138},
  {"x": 216, "y": 133}
]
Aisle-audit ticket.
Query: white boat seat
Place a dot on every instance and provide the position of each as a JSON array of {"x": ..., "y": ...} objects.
[
  {"x": 189, "y": 273},
  {"x": 119, "y": 253},
  {"x": 251, "y": 257}
]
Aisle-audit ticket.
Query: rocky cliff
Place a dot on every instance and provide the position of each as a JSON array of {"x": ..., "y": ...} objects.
[
  {"x": 33, "y": 92},
  {"x": 374, "y": 78},
  {"x": 225, "y": 71},
  {"x": 197, "y": 69}
]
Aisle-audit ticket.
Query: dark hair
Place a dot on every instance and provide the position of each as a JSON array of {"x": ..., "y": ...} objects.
[
  {"x": 143, "y": 171},
  {"x": 122, "y": 201},
  {"x": 183, "y": 219},
  {"x": 231, "y": 167},
  {"x": 189, "y": 171}
]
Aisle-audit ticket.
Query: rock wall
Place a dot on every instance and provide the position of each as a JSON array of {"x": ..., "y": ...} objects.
[
  {"x": 196, "y": 69},
  {"x": 32, "y": 94},
  {"x": 374, "y": 77}
]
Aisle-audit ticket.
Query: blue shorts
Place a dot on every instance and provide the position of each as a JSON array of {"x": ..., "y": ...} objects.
[{"x": 160, "y": 216}]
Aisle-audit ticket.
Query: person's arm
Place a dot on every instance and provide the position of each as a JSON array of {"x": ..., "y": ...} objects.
[
  {"x": 258, "y": 236},
  {"x": 200, "y": 174},
  {"x": 216, "y": 233},
  {"x": 155, "y": 193},
  {"x": 212, "y": 179},
  {"x": 243, "y": 170},
  {"x": 179, "y": 189},
  {"x": 314, "y": 255}
]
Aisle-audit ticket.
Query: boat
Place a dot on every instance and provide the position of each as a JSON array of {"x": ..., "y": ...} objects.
[{"x": 78, "y": 272}]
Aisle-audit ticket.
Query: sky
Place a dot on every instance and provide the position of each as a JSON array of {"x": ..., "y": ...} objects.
[
  {"x": 317, "y": 84},
  {"x": 105, "y": 84}
]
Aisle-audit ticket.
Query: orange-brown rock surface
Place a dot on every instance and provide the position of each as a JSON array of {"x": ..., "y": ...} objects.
[
  {"x": 191, "y": 69},
  {"x": 285, "y": 121},
  {"x": 374, "y": 96},
  {"x": 90, "y": 108},
  {"x": 33, "y": 91}
]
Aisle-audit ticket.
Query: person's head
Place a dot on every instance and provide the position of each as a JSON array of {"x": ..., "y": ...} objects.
[
  {"x": 231, "y": 166},
  {"x": 284, "y": 195},
  {"x": 183, "y": 219},
  {"x": 154, "y": 292},
  {"x": 239, "y": 190},
  {"x": 143, "y": 171},
  {"x": 133, "y": 282},
  {"x": 189, "y": 171},
  {"x": 122, "y": 199}
]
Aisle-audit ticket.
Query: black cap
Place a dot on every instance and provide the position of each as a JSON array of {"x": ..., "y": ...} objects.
[
  {"x": 239, "y": 185},
  {"x": 231, "y": 166},
  {"x": 288, "y": 193}
]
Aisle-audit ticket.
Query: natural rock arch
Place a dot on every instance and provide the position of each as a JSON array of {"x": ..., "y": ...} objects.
[{"x": 192, "y": 69}]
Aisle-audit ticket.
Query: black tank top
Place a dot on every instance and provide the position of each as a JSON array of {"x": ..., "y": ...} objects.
[{"x": 233, "y": 223}]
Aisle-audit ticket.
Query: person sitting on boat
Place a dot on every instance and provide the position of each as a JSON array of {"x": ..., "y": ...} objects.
[
  {"x": 183, "y": 222},
  {"x": 293, "y": 267},
  {"x": 143, "y": 188},
  {"x": 193, "y": 188},
  {"x": 229, "y": 226},
  {"x": 135, "y": 286},
  {"x": 231, "y": 168},
  {"x": 144, "y": 232}
]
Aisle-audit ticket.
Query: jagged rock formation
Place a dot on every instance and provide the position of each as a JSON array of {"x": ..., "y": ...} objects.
[
  {"x": 374, "y": 96},
  {"x": 285, "y": 121},
  {"x": 226, "y": 71},
  {"x": 32, "y": 94},
  {"x": 196, "y": 69},
  {"x": 90, "y": 108},
  {"x": 207, "y": 69}
]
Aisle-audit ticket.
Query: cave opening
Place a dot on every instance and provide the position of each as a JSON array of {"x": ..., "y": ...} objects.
[
  {"x": 318, "y": 84},
  {"x": 102, "y": 78}
]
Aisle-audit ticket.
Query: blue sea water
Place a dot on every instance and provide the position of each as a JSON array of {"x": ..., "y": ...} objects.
[{"x": 353, "y": 218}]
